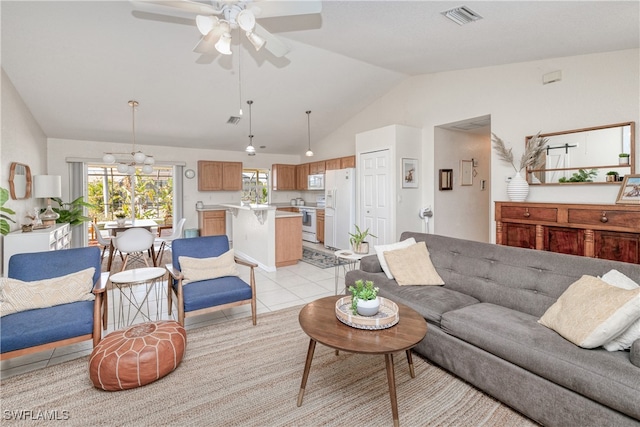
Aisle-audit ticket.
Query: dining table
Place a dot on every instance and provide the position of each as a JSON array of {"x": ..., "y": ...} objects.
[{"x": 116, "y": 228}]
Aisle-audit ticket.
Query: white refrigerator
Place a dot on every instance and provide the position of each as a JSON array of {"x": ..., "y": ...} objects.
[{"x": 340, "y": 209}]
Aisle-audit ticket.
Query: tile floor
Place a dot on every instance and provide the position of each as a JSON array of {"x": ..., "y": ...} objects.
[{"x": 286, "y": 287}]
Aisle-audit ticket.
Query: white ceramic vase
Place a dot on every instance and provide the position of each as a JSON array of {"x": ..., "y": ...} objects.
[
  {"x": 518, "y": 188},
  {"x": 121, "y": 221},
  {"x": 368, "y": 307}
]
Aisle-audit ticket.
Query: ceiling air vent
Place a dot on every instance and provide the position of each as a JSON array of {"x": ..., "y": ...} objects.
[
  {"x": 461, "y": 15},
  {"x": 233, "y": 120}
]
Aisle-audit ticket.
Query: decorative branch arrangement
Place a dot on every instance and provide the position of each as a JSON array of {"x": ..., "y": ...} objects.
[{"x": 533, "y": 155}]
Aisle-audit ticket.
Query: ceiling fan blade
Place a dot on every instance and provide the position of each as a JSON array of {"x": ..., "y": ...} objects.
[
  {"x": 274, "y": 45},
  {"x": 183, "y": 5},
  {"x": 268, "y": 9}
]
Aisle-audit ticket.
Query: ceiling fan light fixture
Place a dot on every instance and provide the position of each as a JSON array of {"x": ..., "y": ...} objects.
[
  {"x": 246, "y": 20},
  {"x": 223, "y": 45},
  {"x": 206, "y": 24},
  {"x": 256, "y": 40}
]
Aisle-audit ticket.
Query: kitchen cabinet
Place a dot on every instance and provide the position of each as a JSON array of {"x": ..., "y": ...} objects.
[
  {"x": 320, "y": 225},
  {"x": 212, "y": 223},
  {"x": 332, "y": 164},
  {"x": 316, "y": 168},
  {"x": 302, "y": 176},
  {"x": 283, "y": 177},
  {"x": 288, "y": 240},
  {"x": 348, "y": 162},
  {"x": 289, "y": 209},
  {"x": 48, "y": 239},
  {"x": 219, "y": 176},
  {"x": 593, "y": 230}
]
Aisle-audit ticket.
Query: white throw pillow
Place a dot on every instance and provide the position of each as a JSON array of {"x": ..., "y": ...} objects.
[
  {"x": 591, "y": 312},
  {"x": 196, "y": 269},
  {"x": 381, "y": 249},
  {"x": 632, "y": 333},
  {"x": 16, "y": 295}
]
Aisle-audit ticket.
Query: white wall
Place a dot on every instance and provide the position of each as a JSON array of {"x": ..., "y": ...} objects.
[
  {"x": 22, "y": 141},
  {"x": 595, "y": 89},
  {"x": 61, "y": 149},
  {"x": 464, "y": 211}
]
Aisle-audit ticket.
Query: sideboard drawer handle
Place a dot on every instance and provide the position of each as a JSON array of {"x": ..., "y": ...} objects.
[
  {"x": 526, "y": 213},
  {"x": 604, "y": 218}
]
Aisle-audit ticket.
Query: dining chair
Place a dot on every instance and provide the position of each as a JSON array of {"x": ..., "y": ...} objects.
[
  {"x": 106, "y": 244},
  {"x": 165, "y": 242},
  {"x": 214, "y": 290},
  {"x": 134, "y": 243}
]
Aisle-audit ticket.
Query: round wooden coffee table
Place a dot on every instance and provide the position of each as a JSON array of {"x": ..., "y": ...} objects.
[{"x": 319, "y": 321}]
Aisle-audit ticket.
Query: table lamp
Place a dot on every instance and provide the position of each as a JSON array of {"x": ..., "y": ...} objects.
[{"x": 46, "y": 187}]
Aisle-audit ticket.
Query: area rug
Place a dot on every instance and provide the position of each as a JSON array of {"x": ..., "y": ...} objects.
[
  {"x": 236, "y": 374},
  {"x": 318, "y": 258}
]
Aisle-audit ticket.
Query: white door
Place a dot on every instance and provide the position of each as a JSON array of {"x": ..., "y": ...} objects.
[{"x": 375, "y": 196}]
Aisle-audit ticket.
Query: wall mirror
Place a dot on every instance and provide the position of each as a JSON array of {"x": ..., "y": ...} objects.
[
  {"x": 601, "y": 154},
  {"x": 19, "y": 181}
]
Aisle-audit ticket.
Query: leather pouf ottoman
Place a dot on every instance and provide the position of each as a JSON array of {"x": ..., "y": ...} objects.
[{"x": 137, "y": 355}]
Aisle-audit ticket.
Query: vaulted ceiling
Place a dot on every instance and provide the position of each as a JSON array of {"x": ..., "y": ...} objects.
[{"x": 77, "y": 63}]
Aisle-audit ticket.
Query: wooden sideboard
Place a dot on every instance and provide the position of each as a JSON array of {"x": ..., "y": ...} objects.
[{"x": 598, "y": 231}]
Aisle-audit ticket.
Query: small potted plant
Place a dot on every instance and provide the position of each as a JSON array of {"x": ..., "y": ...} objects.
[
  {"x": 623, "y": 158},
  {"x": 612, "y": 176},
  {"x": 364, "y": 298},
  {"x": 120, "y": 217},
  {"x": 357, "y": 240}
]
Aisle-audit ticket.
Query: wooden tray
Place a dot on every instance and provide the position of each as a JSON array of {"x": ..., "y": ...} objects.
[{"x": 387, "y": 316}]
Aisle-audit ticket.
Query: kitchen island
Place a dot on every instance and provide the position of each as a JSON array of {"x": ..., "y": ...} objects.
[{"x": 269, "y": 238}]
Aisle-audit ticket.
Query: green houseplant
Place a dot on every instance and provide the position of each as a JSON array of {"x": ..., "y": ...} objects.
[
  {"x": 364, "y": 298},
  {"x": 5, "y": 227},
  {"x": 72, "y": 212},
  {"x": 581, "y": 176},
  {"x": 623, "y": 158},
  {"x": 612, "y": 176},
  {"x": 357, "y": 240}
]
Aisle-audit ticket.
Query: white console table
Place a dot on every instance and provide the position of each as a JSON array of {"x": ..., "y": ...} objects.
[{"x": 48, "y": 239}]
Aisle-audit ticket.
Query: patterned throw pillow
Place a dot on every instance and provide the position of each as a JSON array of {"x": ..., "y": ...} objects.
[
  {"x": 591, "y": 312},
  {"x": 16, "y": 295},
  {"x": 196, "y": 269},
  {"x": 413, "y": 266}
]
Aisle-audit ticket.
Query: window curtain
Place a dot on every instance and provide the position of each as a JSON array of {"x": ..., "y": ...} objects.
[
  {"x": 178, "y": 202},
  {"x": 78, "y": 188}
]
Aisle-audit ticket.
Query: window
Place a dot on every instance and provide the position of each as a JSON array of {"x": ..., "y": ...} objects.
[
  {"x": 138, "y": 196},
  {"x": 255, "y": 185}
]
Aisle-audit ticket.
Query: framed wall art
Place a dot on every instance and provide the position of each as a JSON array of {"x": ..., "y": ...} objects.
[
  {"x": 466, "y": 172},
  {"x": 629, "y": 193},
  {"x": 445, "y": 179},
  {"x": 409, "y": 173}
]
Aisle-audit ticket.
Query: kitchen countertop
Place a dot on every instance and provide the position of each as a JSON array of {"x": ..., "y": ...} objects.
[
  {"x": 249, "y": 207},
  {"x": 284, "y": 214},
  {"x": 306, "y": 206},
  {"x": 211, "y": 208}
]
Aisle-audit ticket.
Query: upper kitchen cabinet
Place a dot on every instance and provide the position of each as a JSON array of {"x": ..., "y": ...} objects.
[
  {"x": 316, "y": 168},
  {"x": 332, "y": 164},
  {"x": 283, "y": 177},
  {"x": 348, "y": 162},
  {"x": 219, "y": 176},
  {"x": 302, "y": 176}
]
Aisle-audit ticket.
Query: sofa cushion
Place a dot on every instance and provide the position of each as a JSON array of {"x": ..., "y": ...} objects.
[
  {"x": 634, "y": 355},
  {"x": 606, "y": 377},
  {"x": 381, "y": 249},
  {"x": 195, "y": 269},
  {"x": 430, "y": 301},
  {"x": 591, "y": 312},
  {"x": 632, "y": 333},
  {"x": 17, "y": 295},
  {"x": 55, "y": 323},
  {"x": 412, "y": 266},
  {"x": 229, "y": 289}
]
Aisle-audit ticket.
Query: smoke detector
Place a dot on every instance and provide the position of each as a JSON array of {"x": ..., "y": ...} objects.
[{"x": 461, "y": 15}]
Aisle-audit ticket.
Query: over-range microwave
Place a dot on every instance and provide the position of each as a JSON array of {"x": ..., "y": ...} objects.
[{"x": 316, "y": 182}]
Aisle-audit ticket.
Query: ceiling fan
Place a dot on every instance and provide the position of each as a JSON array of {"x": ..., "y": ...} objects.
[{"x": 217, "y": 20}]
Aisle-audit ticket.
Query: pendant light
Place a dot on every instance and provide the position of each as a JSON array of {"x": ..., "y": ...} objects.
[
  {"x": 309, "y": 153},
  {"x": 137, "y": 157},
  {"x": 251, "y": 150}
]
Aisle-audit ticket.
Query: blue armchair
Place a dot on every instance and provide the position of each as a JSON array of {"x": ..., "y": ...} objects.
[
  {"x": 36, "y": 330},
  {"x": 206, "y": 296}
]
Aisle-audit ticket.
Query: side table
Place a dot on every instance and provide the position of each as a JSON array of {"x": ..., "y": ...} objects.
[
  {"x": 348, "y": 260},
  {"x": 125, "y": 281}
]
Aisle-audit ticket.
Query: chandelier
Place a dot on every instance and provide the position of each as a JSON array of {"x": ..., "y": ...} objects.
[{"x": 137, "y": 158}]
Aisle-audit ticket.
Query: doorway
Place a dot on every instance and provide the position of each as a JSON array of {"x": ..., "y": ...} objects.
[
  {"x": 375, "y": 187},
  {"x": 464, "y": 211}
]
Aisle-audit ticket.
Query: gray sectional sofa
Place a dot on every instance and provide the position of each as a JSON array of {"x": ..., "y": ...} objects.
[{"x": 483, "y": 328}]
